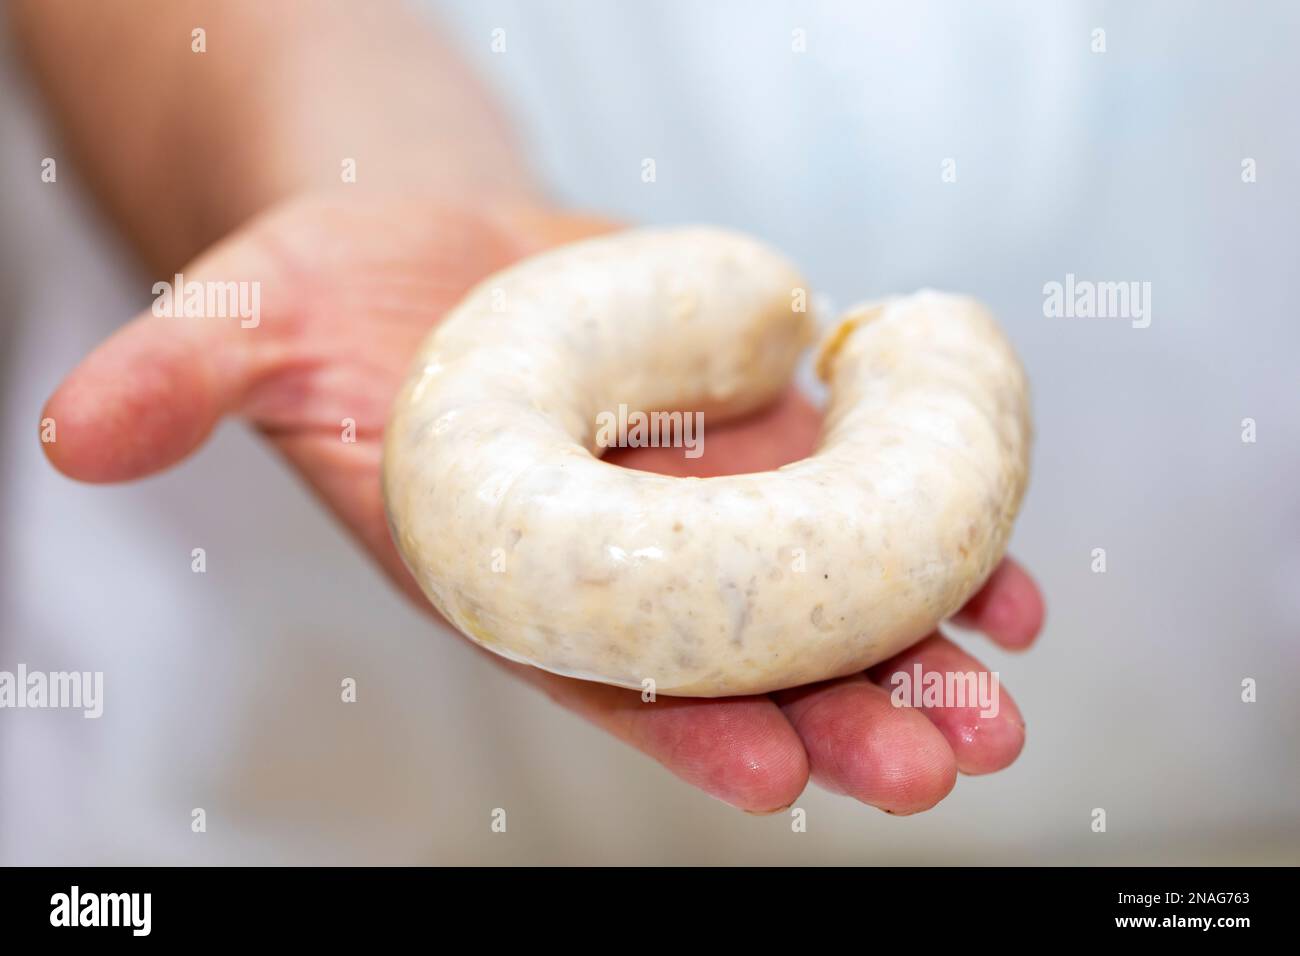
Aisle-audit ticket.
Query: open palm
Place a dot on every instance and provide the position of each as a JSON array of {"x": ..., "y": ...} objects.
[{"x": 348, "y": 288}]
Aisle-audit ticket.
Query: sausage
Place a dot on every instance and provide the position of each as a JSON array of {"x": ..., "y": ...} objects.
[{"x": 535, "y": 548}]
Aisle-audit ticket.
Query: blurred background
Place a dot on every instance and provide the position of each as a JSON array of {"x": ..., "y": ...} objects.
[{"x": 221, "y": 690}]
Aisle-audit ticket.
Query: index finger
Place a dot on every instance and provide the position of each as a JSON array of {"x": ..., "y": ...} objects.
[{"x": 1008, "y": 608}]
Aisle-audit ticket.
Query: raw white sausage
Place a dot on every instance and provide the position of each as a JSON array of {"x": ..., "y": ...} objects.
[{"x": 538, "y": 550}]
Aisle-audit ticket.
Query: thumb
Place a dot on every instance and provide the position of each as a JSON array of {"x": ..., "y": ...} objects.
[{"x": 151, "y": 393}]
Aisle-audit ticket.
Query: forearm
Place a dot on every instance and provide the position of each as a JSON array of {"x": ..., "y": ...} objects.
[{"x": 182, "y": 146}]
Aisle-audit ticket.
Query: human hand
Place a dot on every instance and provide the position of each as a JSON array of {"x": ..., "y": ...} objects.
[{"x": 348, "y": 289}]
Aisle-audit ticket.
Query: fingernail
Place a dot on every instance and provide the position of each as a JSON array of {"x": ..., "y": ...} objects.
[{"x": 768, "y": 813}]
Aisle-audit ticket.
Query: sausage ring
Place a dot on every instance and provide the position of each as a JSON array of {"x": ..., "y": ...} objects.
[{"x": 538, "y": 550}]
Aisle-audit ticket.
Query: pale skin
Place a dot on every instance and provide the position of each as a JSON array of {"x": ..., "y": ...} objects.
[{"x": 226, "y": 165}]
